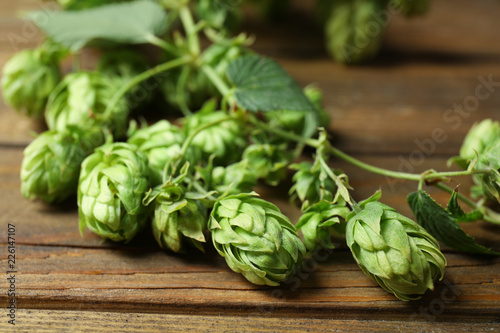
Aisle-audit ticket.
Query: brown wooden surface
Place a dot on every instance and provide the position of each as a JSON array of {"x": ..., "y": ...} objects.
[{"x": 67, "y": 282}]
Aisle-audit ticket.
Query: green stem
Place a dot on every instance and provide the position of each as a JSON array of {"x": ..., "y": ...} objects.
[
  {"x": 181, "y": 92},
  {"x": 191, "y": 31},
  {"x": 216, "y": 80},
  {"x": 163, "y": 44},
  {"x": 427, "y": 175},
  {"x": 284, "y": 134},
  {"x": 144, "y": 76}
]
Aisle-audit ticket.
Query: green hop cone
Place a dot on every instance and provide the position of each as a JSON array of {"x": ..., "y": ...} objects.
[
  {"x": 488, "y": 185},
  {"x": 411, "y": 7},
  {"x": 81, "y": 99},
  {"x": 255, "y": 238},
  {"x": 268, "y": 161},
  {"x": 51, "y": 163},
  {"x": 225, "y": 140},
  {"x": 178, "y": 220},
  {"x": 233, "y": 179},
  {"x": 393, "y": 250},
  {"x": 161, "y": 143},
  {"x": 354, "y": 29},
  {"x": 112, "y": 184},
  {"x": 320, "y": 222},
  {"x": 480, "y": 137},
  {"x": 311, "y": 185},
  {"x": 28, "y": 79}
]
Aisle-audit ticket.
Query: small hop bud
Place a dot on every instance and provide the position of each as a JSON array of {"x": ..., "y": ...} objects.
[
  {"x": 394, "y": 251},
  {"x": 178, "y": 220},
  {"x": 161, "y": 143},
  {"x": 256, "y": 239},
  {"x": 225, "y": 140},
  {"x": 411, "y": 7},
  {"x": 233, "y": 179},
  {"x": 268, "y": 161},
  {"x": 82, "y": 98},
  {"x": 51, "y": 163},
  {"x": 311, "y": 184},
  {"x": 480, "y": 137},
  {"x": 320, "y": 222},
  {"x": 28, "y": 79},
  {"x": 113, "y": 181},
  {"x": 350, "y": 29},
  {"x": 488, "y": 185}
]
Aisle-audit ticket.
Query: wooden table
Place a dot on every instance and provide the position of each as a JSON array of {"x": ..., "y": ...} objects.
[{"x": 384, "y": 113}]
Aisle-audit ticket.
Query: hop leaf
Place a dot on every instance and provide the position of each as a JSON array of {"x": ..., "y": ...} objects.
[
  {"x": 255, "y": 238},
  {"x": 394, "y": 251},
  {"x": 82, "y": 98},
  {"x": 112, "y": 183},
  {"x": 51, "y": 163},
  {"x": 28, "y": 79}
]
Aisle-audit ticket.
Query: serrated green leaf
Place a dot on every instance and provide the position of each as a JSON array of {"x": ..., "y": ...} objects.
[
  {"x": 263, "y": 85},
  {"x": 442, "y": 225},
  {"x": 458, "y": 214},
  {"x": 129, "y": 23}
]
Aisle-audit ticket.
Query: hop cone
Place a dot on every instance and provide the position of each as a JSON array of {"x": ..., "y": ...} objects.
[
  {"x": 160, "y": 142},
  {"x": 480, "y": 137},
  {"x": 225, "y": 140},
  {"x": 255, "y": 238},
  {"x": 82, "y": 98},
  {"x": 488, "y": 185},
  {"x": 394, "y": 251},
  {"x": 354, "y": 29},
  {"x": 28, "y": 79},
  {"x": 51, "y": 163},
  {"x": 178, "y": 220},
  {"x": 113, "y": 181},
  {"x": 320, "y": 222},
  {"x": 311, "y": 185},
  {"x": 234, "y": 179},
  {"x": 412, "y": 7},
  {"x": 268, "y": 161}
]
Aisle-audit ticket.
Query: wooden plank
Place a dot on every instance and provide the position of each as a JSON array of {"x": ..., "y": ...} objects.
[{"x": 83, "y": 321}]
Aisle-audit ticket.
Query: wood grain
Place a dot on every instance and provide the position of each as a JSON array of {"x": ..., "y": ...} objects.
[{"x": 384, "y": 113}]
